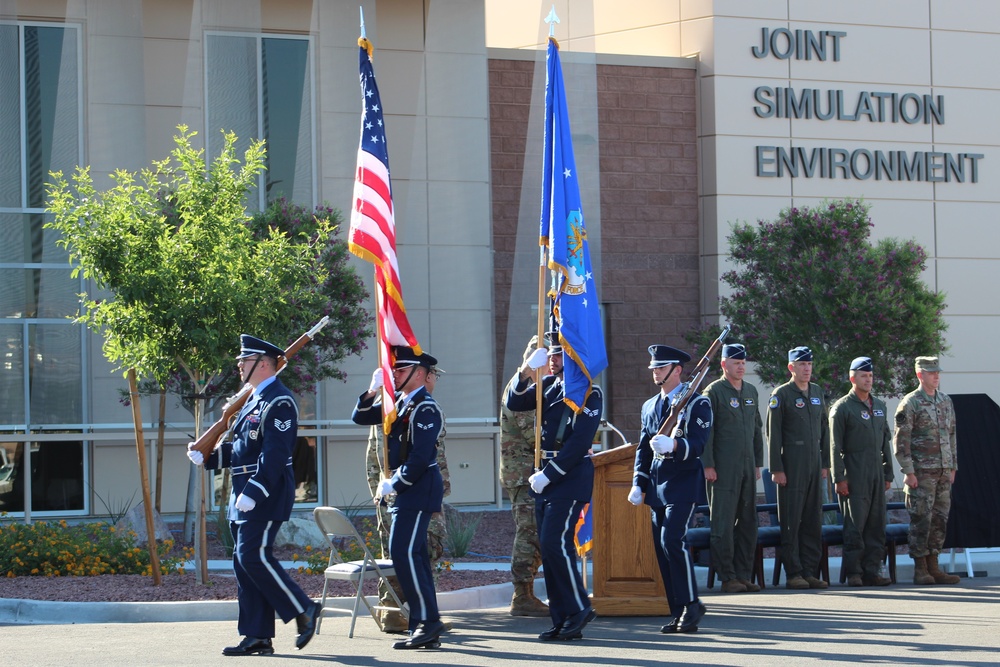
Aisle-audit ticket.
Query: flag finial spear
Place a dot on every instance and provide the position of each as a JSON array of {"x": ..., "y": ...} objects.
[
  {"x": 552, "y": 19},
  {"x": 362, "y": 10}
]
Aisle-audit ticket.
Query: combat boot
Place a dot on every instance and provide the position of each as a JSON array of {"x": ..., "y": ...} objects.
[
  {"x": 935, "y": 571},
  {"x": 393, "y": 622},
  {"x": 524, "y": 602},
  {"x": 920, "y": 574}
]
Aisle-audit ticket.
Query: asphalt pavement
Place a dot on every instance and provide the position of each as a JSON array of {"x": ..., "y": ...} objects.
[{"x": 900, "y": 624}]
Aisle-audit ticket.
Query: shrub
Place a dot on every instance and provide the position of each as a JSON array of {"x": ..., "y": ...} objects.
[
  {"x": 60, "y": 550},
  {"x": 461, "y": 530}
]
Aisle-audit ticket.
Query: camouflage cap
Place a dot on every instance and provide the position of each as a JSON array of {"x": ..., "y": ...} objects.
[{"x": 929, "y": 364}]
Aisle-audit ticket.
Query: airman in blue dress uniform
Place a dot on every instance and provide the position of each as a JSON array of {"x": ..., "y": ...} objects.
[
  {"x": 260, "y": 455},
  {"x": 417, "y": 483},
  {"x": 563, "y": 485},
  {"x": 668, "y": 478}
]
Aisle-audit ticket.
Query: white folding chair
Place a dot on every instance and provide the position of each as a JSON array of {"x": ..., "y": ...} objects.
[{"x": 341, "y": 533}]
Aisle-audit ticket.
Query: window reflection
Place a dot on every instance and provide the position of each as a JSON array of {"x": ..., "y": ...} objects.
[{"x": 56, "y": 476}]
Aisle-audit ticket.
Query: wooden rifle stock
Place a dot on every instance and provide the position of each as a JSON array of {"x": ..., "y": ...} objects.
[
  {"x": 210, "y": 438},
  {"x": 690, "y": 388}
]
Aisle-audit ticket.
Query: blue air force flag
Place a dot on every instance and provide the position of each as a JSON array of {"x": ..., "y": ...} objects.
[{"x": 563, "y": 231}]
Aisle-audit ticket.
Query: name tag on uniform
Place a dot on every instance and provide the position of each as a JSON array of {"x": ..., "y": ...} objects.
[
  {"x": 748, "y": 402},
  {"x": 814, "y": 400},
  {"x": 879, "y": 413}
]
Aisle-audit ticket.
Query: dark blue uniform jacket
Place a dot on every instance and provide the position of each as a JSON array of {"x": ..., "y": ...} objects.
[
  {"x": 566, "y": 464},
  {"x": 412, "y": 447},
  {"x": 260, "y": 454}
]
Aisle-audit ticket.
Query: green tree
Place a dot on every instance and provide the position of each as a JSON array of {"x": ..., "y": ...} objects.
[
  {"x": 813, "y": 277},
  {"x": 185, "y": 273},
  {"x": 333, "y": 289}
]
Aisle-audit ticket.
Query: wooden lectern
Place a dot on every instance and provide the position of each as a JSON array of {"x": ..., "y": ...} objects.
[{"x": 626, "y": 579}]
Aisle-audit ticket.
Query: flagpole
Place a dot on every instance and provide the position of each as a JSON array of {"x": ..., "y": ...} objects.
[
  {"x": 538, "y": 371},
  {"x": 551, "y": 20}
]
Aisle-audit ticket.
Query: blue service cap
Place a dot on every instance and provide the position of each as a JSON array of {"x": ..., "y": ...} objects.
[
  {"x": 734, "y": 351},
  {"x": 251, "y": 345},
  {"x": 862, "y": 364},
  {"x": 800, "y": 353},
  {"x": 405, "y": 356},
  {"x": 664, "y": 355}
]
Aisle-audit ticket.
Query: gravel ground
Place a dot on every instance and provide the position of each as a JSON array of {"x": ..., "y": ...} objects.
[{"x": 492, "y": 540}]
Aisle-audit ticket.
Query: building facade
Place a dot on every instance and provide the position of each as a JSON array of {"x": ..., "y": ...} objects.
[{"x": 687, "y": 116}]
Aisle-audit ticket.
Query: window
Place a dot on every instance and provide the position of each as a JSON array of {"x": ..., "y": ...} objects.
[
  {"x": 41, "y": 351},
  {"x": 260, "y": 87}
]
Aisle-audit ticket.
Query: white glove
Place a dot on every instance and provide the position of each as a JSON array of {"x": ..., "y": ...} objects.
[
  {"x": 635, "y": 495},
  {"x": 377, "y": 380},
  {"x": 662, "y": 444},
  {"x": 196, "y": 457},
  {"x": 245, "y": 503},
  {"x": 538, "y": 358},
  {"x": 385, "y": 488},
  {"x": 538, "y": 481}
]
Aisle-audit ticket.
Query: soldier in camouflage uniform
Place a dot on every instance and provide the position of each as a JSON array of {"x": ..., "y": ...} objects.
[
  {"x": 925, "y": 448},
  {"x": 437, "y": 531},
  {"x": 517, "y": 462}
]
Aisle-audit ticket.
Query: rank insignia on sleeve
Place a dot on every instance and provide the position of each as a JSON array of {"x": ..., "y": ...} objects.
[{"x": 282, "y": 425}]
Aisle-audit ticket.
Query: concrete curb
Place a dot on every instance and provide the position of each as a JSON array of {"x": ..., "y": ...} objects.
[{"x": 43, "y": 612}]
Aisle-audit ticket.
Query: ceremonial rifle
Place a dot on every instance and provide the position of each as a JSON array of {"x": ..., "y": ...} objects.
[
  {"x": 206, "y": 443},
  {"x": 688, "y": 390}
]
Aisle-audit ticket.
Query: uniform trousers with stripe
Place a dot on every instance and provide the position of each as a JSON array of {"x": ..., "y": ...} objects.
[
  {"x": 408, "y": 551},
  {"x": 263, "y": 586},
  {"x": 670, "y": 524},
  {"x": 556, "y": 520}
]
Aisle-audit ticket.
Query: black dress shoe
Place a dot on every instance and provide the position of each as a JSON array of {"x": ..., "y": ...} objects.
[
  {"x": 551, "y": 634},
  {"x": 250, "y": 646},
  {"x": 306, "y": 622},
  {"x": 426, "y": 635},
  {"x": 573, "y": 626},
  {"x": 692, "y": 614},
  {"x": 671, "y": 626}
]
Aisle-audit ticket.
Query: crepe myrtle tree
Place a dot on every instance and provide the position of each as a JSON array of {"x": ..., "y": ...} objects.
[{"x": 814, "y": 277}]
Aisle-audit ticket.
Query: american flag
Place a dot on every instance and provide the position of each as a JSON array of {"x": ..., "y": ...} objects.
[{"x": 373, "y": 231}]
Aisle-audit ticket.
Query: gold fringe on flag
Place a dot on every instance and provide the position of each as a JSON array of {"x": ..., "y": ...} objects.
[{"x": 366, "y": 45}]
